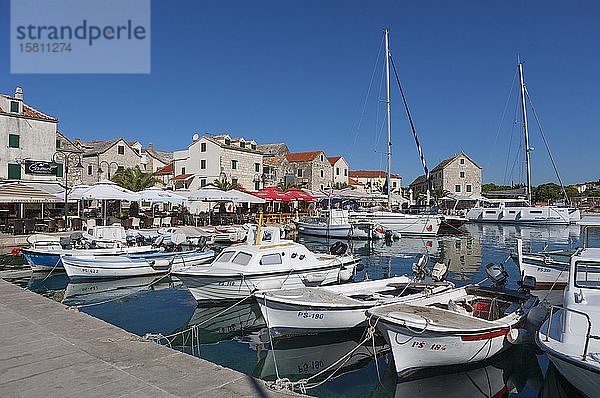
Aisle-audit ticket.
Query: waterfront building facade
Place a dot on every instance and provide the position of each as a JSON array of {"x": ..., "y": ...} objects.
[
  {"x": 218, "y": 157},
  {"x": 28, "y": 139},
  {"x": 339, "y": 171},
  {"x": 102, "y": 159},
  {"x": 373, "y": 181},
  {"x": 311, "y": 170},
  {"x": 457, "y": 175}
]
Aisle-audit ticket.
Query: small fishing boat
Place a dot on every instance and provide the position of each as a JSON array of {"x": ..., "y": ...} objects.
[
  {"x": 459, "y": 326},
  {"x": 339, "y": 307},
  {"x": 265, "y": 262},
  {"x": 550, "y": 268},
  {"x": 571, "y": 335},
  {"x": 132, "y": 265}
]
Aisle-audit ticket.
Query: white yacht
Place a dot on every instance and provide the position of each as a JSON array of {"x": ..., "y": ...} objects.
[
  {"x": 335, "y": 223},
  {"x": 266, "y": 262},
  {"x": 518, "y": 210},
  {"x": 571, "y": 335},
  {"x": 401, "y": 223}
]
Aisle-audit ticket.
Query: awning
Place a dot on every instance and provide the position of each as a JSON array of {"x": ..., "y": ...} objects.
[
  {"x": 18, "y": 192},
  {"x": 157, "y": 195},
  {"x": 212, "y": 194},
  {"x": 106, "y": 190},
  {"x": 244, "y": 197}
]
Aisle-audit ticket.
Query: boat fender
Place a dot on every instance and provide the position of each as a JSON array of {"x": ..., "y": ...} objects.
[
  {"x": 315, "y": 278},
  {"x": 161, "y": 263},
  {"x": 519, "y": 336},
  {"x": 16, "y": 252},
  {"x": 345, "y": 274},
  {"x": 268, "y": 284},
  {"x": 338, "y": 248}
]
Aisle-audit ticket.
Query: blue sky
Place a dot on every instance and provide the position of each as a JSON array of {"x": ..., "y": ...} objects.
[{"x": 298, "y": 72}]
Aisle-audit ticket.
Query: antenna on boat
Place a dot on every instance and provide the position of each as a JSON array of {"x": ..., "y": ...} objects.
[
  {"x": 389, "y": 121},
  {"x": 525, "y": 130}
]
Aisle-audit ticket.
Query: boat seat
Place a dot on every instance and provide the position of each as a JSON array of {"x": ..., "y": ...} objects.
[{"x": 436, "y": 316}]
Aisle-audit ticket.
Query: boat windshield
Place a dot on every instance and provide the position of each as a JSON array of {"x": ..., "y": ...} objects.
[
  {"x": 242, "y": 258},
  {"x": 587, "y": 274},
  {"x": 224, "y": 257}
]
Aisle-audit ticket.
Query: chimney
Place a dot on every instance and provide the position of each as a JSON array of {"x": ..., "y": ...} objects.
[
  {"x": 19, "y": 93},
  {"x": 151, "y": 146}
]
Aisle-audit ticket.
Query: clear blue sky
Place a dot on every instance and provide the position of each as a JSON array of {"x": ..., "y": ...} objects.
[{"x": 298, "y": 72}]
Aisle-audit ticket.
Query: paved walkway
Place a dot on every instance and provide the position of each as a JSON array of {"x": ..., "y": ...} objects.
[{"x": 48, "y": 350}]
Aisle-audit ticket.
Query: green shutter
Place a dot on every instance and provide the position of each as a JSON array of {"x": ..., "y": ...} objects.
[
  {"x": 57, "y": 143},
  {"x": 14, "y": 171},
  {"x": 13, "y": 140},
  {"x": 14, "y": 106},
  {"x": 59, "y": 170}
]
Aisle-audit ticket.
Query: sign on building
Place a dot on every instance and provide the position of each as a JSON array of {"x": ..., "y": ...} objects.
[{"x": 40, "y": 167}]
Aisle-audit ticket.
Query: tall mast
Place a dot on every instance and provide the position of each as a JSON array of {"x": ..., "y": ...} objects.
[
  {"x": 526, "y": 133},
  {"x": 389, "y": 121}
]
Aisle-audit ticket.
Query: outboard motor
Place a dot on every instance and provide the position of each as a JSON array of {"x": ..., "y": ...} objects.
[
  {"x": 528, "y": 283},
  {"x": 497, "y": 274},
  {"x": 419, "y": 267},
  {"x": 439, "y": 271},
  {"x": 338, "y": 248}
]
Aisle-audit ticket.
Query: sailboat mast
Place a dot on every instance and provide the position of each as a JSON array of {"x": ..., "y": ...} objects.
[
  {"x": 526, "y": 134},
  {"x": 389, "y": 121}
]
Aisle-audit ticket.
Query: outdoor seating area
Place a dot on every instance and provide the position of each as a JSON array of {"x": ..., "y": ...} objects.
[{"x": 106, "y": 203}]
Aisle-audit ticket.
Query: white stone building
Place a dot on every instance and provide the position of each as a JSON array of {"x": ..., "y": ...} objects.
[
  {"x": 457, "y": 175},
  {"x": 218, "y": 157},
  {"x": 28, "y": 137},
  {"x": 339, "y": 170},
  {"x": 312, "y": 170}
]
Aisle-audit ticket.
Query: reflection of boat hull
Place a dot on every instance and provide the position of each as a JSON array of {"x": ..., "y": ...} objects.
[{"x": 550, "y": 269}]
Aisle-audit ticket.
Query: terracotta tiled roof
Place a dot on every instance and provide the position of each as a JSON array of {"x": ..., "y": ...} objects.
[
  {"x": 30, "y": 111},
  {"x": 333, "y": 159},
  {"x": 166, "y": 170},
  {"x": 274, "y": 160},
  {"x": 370, "y": 174},
  {"x": 302, "y": 156},
  {"x": 132, "y": 143},
  {"x": 183, "y": 176}
]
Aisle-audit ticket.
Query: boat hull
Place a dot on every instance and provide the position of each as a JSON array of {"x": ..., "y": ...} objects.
[
  {"x": 542, "y": 215},
  {"x": 208, "y": 286},
  {"x": 332, "y": 231},
  {"x": 404, "y": 224},
  {"x": 113, "y": 267}
]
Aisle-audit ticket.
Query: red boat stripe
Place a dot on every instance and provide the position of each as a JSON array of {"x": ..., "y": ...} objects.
[
  {"x": 484, "y": 336},
  {"x": 502, "y": 393}
]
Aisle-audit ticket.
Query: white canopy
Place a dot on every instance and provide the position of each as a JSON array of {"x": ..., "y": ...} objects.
[
  {"x": 213, "y": 194},
  {"x": 106, "y": 190},
  {"x": 244, "y": 197},
  {"x": 157, "y": 195},
  {"x": 18, "y": 192}
]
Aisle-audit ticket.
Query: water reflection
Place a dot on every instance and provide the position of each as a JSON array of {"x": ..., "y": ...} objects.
[{"x": 557, "y": 386}]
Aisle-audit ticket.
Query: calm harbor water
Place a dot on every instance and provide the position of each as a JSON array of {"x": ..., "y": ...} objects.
[{"x": 237, "y": 337}]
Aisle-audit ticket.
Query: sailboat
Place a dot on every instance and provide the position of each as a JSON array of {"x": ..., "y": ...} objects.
[
  {"x": 519, "y": 211},
  {"x": 404, "y": 224}
]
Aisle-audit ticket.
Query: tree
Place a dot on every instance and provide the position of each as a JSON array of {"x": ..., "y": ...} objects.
[
  {"x": 341, "y": 185},
  {"x": 225, "y": 185},
  {"x": 572, "y": 192},
  {"x": 134, "y": 179},
  {"x": 547, "y": 192}
]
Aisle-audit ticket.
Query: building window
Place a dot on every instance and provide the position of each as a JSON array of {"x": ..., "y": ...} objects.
[
  {"x": 234, "y": 181},
  {"x": 203, "y": 147},
  {"x": 121, "y": 150},
  {"x": 13, "y": 140},
  {"x": 227, "y": 141},
  {"x": 253, "y": 146},
  {"x": 57, "y": 143},
  {"x": 299, "y": 172},
  {"x": 14, "y": 171},
  {"x": 322, "y": 187},
  {"x": 203, "y": 183},
  {"x": 257, "y": 167},
  {"x": 90, "y": 169},
  {"x": 183, "y": 170},
  {"x": 337, "y": 171},
  {"x": 203, "y": 164},
  {"x": 242, "y": 144},
  {"x": 14, "y": 106},
  {"x": 120, "y": 169},
  {"x": 321, "y": 157},
  {"x": 462, "y": 174},
  {"x": 462, "y": 161},
  {"x": 469, "y": 188},
  {"x": 322, "y": 174},
  {"x": 457, "y": 188},
  {"x": 345, "y": 172},
  {"x": 394, "y": 184},
  {"x": 234, "y": 164},
  {"x": 256, "y": 185},
  {"x": 59, "y": 170}
]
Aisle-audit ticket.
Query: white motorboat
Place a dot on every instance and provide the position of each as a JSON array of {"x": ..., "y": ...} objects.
[
  {"x": 571, "y": 335},
  {"x": 521, "y": 211},
  {"x": 401, "y": 223},
  {"x": 459, "y": 326},
  {"x": 132, "y": 265},
  {"x": 335, "y": 223},
  {"x": 333, "y": 308},
  {"x": 550, "y": 268},
  {"x": 266, "y": 263}
]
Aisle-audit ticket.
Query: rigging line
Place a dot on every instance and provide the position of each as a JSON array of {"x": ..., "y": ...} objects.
[
  {"x": 512, "y": 86},
  {"x": 414, "y": 131},
  {"x": 537, "y": 121},
  {"x": 364, "y": 107},
  {"x": 512, "y": 134}
]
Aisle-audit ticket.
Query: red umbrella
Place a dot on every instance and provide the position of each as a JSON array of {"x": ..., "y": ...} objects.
[
  {"x": 272, "y": 194},
  {"x": 298, "y": 194}
]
